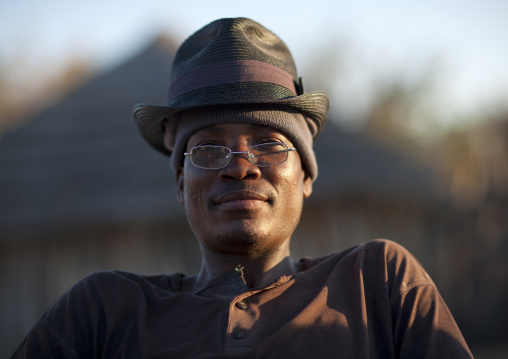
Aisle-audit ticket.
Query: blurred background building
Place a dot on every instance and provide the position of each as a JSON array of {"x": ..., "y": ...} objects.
[{"x": 80, "y": 190}]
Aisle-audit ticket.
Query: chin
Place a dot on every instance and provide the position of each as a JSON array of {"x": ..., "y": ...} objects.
[
  {"x": 240, "y": 238},
  {"x": 241, "y": 241}
]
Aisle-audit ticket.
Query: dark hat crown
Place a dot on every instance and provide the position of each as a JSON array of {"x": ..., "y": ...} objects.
[{"x": 232, "y": 39}]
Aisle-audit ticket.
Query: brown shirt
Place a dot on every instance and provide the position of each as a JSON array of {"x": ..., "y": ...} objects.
[{"x": 370, "y": 301}]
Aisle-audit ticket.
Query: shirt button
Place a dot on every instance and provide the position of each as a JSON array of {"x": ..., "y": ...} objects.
[
  {"x": 240, "y": 333},
  {"x": 241, "y": 305}
]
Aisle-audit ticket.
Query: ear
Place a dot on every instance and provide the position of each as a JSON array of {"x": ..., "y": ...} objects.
[
  {"x": 307, "y": 185},
  {"x": 179, "y": 186}
]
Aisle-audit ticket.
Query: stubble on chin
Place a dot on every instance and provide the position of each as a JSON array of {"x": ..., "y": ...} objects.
[
  {"x": 237, "y": 238},
  {"x": 241, "y": 242}
]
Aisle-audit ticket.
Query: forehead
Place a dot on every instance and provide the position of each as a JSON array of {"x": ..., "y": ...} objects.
[{"x": 236, "y": 130}]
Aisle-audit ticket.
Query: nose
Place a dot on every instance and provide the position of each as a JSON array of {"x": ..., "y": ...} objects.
[{"x": 240, "y": 168}]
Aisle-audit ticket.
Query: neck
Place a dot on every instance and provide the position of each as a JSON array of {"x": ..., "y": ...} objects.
[{"x": 259, "y": 269}]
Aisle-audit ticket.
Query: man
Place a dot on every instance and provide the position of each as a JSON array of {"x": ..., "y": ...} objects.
[{"x": 239, "y": 131}]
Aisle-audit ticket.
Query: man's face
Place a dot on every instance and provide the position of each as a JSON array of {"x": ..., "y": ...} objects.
[{"x": 242, "y": 209}]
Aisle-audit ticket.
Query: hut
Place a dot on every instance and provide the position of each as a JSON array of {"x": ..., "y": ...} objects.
[{"x": 80, "y": 191}]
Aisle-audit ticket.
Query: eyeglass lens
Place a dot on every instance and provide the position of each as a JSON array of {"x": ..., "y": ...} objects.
[{"x": 262, "y": 155}]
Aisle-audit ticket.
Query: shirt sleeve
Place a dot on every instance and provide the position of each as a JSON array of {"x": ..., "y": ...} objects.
[
  {"x": 75, "y": 326},
  {"x": 42, "y": 343},
  {"x": 423, "y": 326}
]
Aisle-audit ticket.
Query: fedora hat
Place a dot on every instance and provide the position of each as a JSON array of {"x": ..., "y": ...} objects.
[{"x": 230, "y": 62}]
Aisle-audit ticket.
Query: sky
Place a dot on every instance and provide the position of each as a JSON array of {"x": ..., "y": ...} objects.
[{"x": 465, "y": 38}]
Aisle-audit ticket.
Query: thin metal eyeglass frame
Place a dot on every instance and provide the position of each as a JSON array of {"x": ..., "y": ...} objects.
[{"x": 250, "y": 156}]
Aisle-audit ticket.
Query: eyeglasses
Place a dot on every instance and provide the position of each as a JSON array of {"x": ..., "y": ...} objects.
[{"x": 262, "y": 155}]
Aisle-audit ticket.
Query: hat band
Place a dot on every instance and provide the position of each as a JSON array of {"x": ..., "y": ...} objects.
[{"x": 230, "y": 72}]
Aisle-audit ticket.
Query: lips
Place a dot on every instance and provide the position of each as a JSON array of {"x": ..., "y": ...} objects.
[
  {"x": 240, "y": 196},
  {"x": 241, "y": 200}
]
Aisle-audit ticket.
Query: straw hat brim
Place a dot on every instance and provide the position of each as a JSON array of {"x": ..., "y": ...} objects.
[{"x": 150, "y": 119}]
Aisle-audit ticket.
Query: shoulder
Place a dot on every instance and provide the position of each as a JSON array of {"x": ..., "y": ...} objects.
[
  {"x": 116, "y": 286},
  {"x": 383, "y": 247},
  {"x": 108, "y": 281},
  {"x": 388, "y": 253},
  {"x": 375, "y": 250},
  {"x": 99, "y": 307},
  {"x": 106, "y": 294},
  {"x": 401, "y": 268},
  {"x": 379, "y": 261}
]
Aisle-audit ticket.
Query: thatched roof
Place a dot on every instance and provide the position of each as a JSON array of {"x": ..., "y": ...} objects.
[{"x": 351, "y": 164}]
